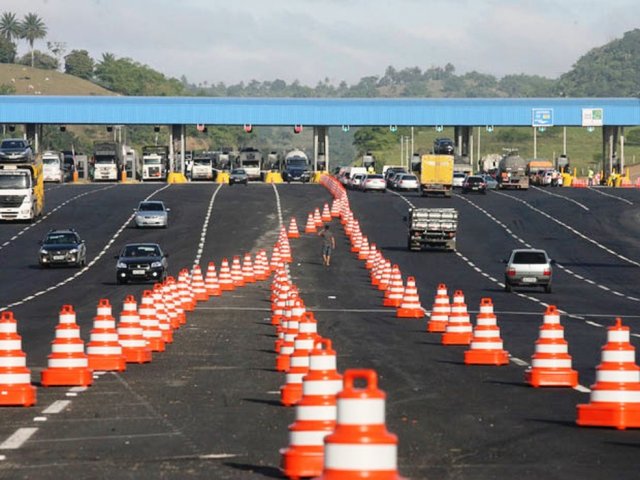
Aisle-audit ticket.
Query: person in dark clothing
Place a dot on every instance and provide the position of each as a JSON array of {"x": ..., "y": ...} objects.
[{"x": 328, "y": 245}]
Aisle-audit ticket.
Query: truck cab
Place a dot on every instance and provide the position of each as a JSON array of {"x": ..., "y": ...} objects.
[
  {"x": 106, "y": 161},
  {"x": 21, "y": 191},
  {"x": 154, "y": 162}
]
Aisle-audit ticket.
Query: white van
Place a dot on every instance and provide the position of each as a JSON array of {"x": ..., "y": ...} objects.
[{"x": 52, "y": 166}]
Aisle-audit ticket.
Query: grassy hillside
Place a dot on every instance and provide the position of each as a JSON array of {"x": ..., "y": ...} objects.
[{"x": 33, "y": 81}]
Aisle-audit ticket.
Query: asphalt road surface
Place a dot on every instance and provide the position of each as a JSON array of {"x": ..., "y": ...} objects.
[{"x": 208, "y": 407}]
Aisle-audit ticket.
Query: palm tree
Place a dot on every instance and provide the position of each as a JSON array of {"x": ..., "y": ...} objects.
[
  {"x": 32, "y": 28},
  {"x": 9, "y": 26}
]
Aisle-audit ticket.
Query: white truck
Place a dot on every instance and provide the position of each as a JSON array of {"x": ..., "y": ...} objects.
[
  {"x": 155, "y": 160},
  {"x": 21, "y": 190},
  {"x": 202, "y": 167},
  {"x": 53, "y": 166},
  {"x": 106, "y": 161},
  {"x": 432, "y": 228}
]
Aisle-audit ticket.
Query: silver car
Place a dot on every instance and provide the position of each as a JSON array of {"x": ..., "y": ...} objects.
[
  {"x": 152, "y": 213},
  {"x": 530, "y": 268}
]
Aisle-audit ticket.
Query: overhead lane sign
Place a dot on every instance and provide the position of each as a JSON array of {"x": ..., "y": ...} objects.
[
  {"x": 592, "y": 117},
  {"x": 542, "y": 117}
]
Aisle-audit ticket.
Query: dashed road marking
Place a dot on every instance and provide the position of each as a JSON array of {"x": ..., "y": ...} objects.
[
  {"x": 205, "y": 227},
  {"x": 519, "y": 362},
  {"x": 18, "y": 438},
  {"x": 581, "y": 205},
  {"x": 628, "y": 202},
  {"x": 56, "y": 407}
]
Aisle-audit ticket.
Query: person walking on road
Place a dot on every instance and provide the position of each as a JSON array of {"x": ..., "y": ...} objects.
[
  {"x": 328, "y": 245},
  {"x": 590, "y": 177}
]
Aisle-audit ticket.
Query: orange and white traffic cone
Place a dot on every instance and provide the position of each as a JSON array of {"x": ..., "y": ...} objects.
[
  {"x": 104, "y": 349},
  {"x": 236, "y": 272},
  {"x": 316, "y": 414},
  {"x": 263, "y": 270},
  {"x": 291, "y": 391},
  {"x": 211, "y": 281},
  {"x": 15, "y": 378},
  {"x": 187, "y": 299},
  {"x": 440, "y": 311},
  {"x": 293, "y": 231},
  {"x": 458, "y": 330},
  {"x": 363, "y": 253},
  {"x": 615, "y": 397},
  {"x": 335, "y": 208},
  {"x": 310, "y": 227},
  {"x": 291, "y": 327},
  {"x": 225, "y": 279},
  {"x": 551, "y": 362},
  {"x": 131, "y": 334},
  {"x": 149, "y": 322},
  {"x": 360, "y": 446},
  {"x": 67, "y": 365},
  {"x": 176, "y": 313},
  {"x": 326, "y": 213},
  {"x": 394, "y": 292},
  {"x": 317, "y": 218},
  {"x": 486, "y": 346},
  {"x": 164, "y": 323},
  {"x": 198, "y": 286},
  {"x": 410, "y": 306},
  {"x": 247, "y": 269}
]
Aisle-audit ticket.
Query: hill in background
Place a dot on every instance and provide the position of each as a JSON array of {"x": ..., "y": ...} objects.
[{"x": 23, "y": 80}]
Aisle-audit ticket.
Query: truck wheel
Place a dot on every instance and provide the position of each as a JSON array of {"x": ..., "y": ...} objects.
[
  {"x": 547, "y": 289},
  {"x": 507, "y": 288}
]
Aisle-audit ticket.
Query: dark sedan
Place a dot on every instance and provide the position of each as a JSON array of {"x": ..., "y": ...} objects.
[
  {"x": 238, "y": 175},
  {"x": 141, "y": 261},
  {"x": 62, "y": 247}
]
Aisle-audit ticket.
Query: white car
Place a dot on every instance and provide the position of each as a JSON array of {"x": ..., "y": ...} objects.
[
  {"x": 152, "y": 213},
  {"x": 406, "y": 182},
  {"x": 356, "y": 180},
  {"x": 374, "y": 182},
  {"x": 458, "y": 179}
]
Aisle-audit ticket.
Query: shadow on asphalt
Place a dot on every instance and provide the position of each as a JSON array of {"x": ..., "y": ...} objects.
[
  {"x": 270, "y": 472},
  {"x": 511, "y": 384},
  {"x": 273, "y": 403}
]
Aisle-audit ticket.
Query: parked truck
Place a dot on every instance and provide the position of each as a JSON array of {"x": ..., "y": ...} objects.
[
  {"x": 21, "y": 189},
  {"x": 512, "y": 172},
  {"x": 155, "y": 162},
  {"x": 436, "y": 175},
  {"x": 432, "y": 228},
  {"x": 107, "y": 161},
  {"x": 537, "y": 171}
]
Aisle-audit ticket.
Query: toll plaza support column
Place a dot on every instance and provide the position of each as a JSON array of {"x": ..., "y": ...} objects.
[
  {"x": 463, "y": 143},
  {"x": 320, "y": 149},
  {"x": 610, "y": 159},
  {"x": 175, "y": 132},
  {"x": 33, "y": 134}
]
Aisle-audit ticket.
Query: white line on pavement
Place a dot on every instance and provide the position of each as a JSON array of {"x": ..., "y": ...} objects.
[{"x": 18, "y": 438}]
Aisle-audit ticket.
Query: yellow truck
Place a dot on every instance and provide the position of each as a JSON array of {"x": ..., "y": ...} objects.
[
  {"x": 21, "y": 189},
  {"x": 436, "y": 175}
]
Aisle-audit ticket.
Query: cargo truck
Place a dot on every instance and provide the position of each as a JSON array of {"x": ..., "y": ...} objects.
[
  {"x": 432, "y": 228},
  {"x": 21, "y": 189},
  {"x": 107, "y": 162},
  {"x": 512, "y": 172},
  {"x": 436, "y": 175},
  {"x": 155, "y": 162},
  {"x": 202, "y": 167}
]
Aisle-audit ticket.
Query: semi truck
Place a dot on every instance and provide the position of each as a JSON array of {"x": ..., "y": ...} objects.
[
  {"x": 155, "y": 162},
  {"x": 250, "y": 159},
  {"x": 21, "y": 188},
  {"x": 436, "y": 175},
  {"x": 512, "y": 172},
  {"x": 107, "y": 161},
  {"x": 432, "y": 228},
  {"x": 296, "y": 167}
]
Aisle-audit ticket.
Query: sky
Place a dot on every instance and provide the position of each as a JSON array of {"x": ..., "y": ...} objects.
[{"x": 312, "y": 40}]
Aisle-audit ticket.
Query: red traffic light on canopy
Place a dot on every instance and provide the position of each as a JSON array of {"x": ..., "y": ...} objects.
[
  {"x": 248, "y": 127},
  {"x": 297, "y": 128}
]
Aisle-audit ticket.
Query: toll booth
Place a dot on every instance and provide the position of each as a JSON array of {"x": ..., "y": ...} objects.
[{"x": 82, "y": 167}]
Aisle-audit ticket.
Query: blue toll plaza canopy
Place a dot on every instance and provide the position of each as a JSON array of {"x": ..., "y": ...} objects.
[{"x": 117, "y": 110}]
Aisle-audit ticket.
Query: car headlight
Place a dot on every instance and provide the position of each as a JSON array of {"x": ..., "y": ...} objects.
[
  {"x": 73, "y": 251},
  {"x": 156, "y": 264},
  {"x": 121, "y": 265},
  {"x": 43, "y": 251}
]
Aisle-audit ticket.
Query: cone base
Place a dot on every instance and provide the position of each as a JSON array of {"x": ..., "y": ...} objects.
[
  {"x": 410, "y": 313},
  {"x": 214, "y": 293},
  {"x": 107, "y": 363},
  {"x": 486, "y": 357},
  {"x": 363, "y": 474},
  {"x": 391, "y": 302},
  {"x": 456, "y": 338},
  {"x": 156, "y": 344},
  {"x": 601, "y": 414},
  {"x": 560, "y": 377},
  {"x": 66, "y": 377},
  {"x": 167, "y": 336},
  {"x": 308, "y": 230},
  {"x": 293, "y": 235},
  {"x": 436, "y": 326},
  {"x": 17, "y": 395},
  {"x": 227, "y": 287},
  {"x": 138, "y": 355},
  {"x": 290, "y": 394},
  {"x": 201, "y": 297}
]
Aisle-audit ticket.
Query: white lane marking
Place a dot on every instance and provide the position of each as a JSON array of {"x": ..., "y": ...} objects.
[
  {"x": 18, "y": 438},
  {"x": 628, "y": 202},
  {"x": 581, "y": 205},
  {"x": 571, "y": 229},
  {"x": 582, "y": 388},
  {"x": 559, "y": 265},
  {"x": 87, "y": 267},
  {"x": 215, "y": 456},
  {"x": 72, "y": 394},
  {"x": 44, "y": 217},
  {"x": 519, "y": 362},
  {"x": 39, "y": 419},
  {"x": 205, "y": 227},
  {"x": 403, "y": 198},
  {"x": 78, "y": 389},
  {"x": 278, "y": 205},
  {"x": 56, "y": 407},
  {"x": 594, "y": 324},
  {"x": 273, "y": 392}
]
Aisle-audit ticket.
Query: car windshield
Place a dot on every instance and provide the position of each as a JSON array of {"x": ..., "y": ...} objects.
[
  {"x": 12, "y": 144},
  {"x": 475, "y": 180},
  {"x": 238, "y": 171},
  {"x": 529, "y": 257},
  {"x": 60, "y": 238},
  {"x": 151, "y": 207},
  {"x": 409, "y": 177},
  {"x": 141, "y": 251},
  {"x": 51, "y": 160},
  {"x": 374, "y": 177},
  {"x": 15, "y": 181},
  {"x": 459, "y": 175}
]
